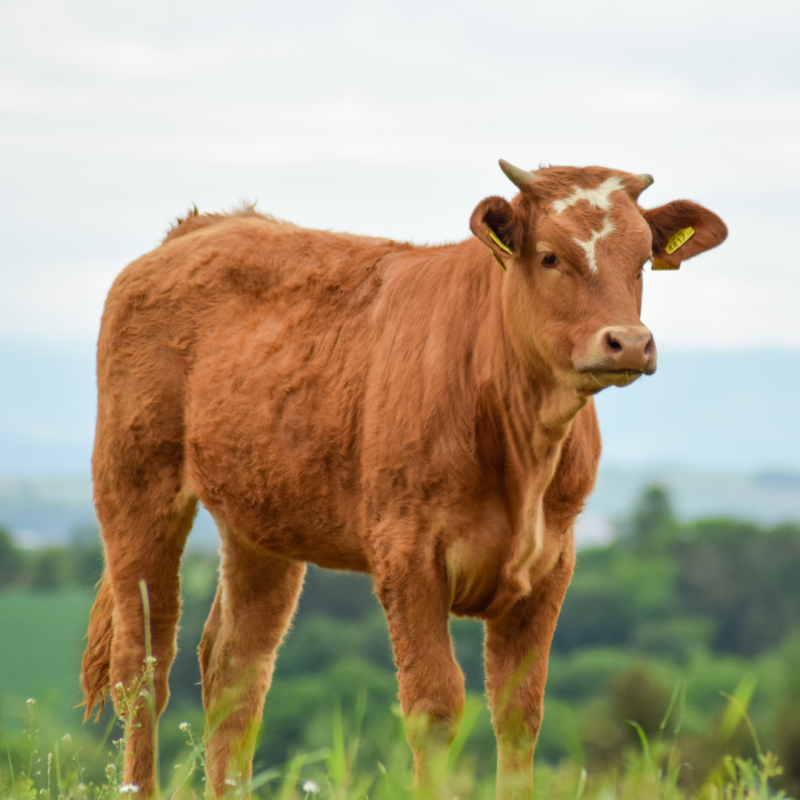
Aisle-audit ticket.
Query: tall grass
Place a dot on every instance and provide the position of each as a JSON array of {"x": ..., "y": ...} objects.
[
  {"x": 61, "y": 769},
  {"x": 73, "y": 769}
]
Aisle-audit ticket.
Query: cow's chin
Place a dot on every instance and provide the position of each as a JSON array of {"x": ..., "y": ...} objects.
[{"x": 594, "y": 381}]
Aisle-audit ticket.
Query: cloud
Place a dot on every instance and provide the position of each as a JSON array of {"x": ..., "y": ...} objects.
[
  {"x": 388, "y": 119},
  {"x": 55, "y": 302},
  {"x": 54, "y": 35}
]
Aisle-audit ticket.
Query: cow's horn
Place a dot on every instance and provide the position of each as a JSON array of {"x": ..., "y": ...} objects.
[
  {"x": 647, "y": 180},
  {"x": 521, "y": 178}
]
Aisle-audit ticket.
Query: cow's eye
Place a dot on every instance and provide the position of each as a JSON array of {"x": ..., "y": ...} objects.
[{"x": 550, "y": 260}]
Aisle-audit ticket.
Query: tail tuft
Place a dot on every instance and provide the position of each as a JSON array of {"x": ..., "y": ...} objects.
[{"x": 95, "y": 669}]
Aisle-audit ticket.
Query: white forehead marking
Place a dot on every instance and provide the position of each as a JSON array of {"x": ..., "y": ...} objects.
[
  {"x": 588, "y": 245},
  {"x": 597, "y": 198}
]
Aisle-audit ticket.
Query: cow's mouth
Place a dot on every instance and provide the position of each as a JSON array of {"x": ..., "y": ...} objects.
[{"x": 613, "y": 377}]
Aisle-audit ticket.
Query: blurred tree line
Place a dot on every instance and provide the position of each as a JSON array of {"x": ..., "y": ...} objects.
[
  {"x": 667, "y": 605},
  {"x": 80, "y": 564},
  {"x": 666, "y": 588}
]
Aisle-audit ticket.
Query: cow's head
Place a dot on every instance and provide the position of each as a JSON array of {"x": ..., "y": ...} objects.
[{"x": 574, "y": 243}]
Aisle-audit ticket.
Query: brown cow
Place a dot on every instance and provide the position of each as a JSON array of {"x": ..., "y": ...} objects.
[{"x": 417, "y": 413}]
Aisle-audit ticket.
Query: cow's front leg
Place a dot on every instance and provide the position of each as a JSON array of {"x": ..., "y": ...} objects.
[
  {"x": 416, "y": 600},
  {"x": 516, "y": 650}
]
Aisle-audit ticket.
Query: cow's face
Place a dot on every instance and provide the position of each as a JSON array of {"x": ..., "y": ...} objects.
[{"x": 574, "y": 243}]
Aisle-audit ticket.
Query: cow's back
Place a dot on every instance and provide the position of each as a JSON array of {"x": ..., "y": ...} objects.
[
  {"x": 306, "y": 385},
  {"x": 275, "y": 394},
  {"x": 244, "y": 349}
]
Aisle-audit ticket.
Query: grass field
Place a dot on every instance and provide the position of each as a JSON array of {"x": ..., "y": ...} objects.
[
  {"x": 49, "y": 754},
  {"x": 652, "y": 772},
  {"x": 44, "y": 665}
]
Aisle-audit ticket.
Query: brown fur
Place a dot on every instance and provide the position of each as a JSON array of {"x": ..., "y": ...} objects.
[{"x": 363, "y": 404}]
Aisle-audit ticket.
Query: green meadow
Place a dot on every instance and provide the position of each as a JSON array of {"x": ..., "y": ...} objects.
[
  {"x": 674, "y": 673},
  {"x": 40, "y": 651}
]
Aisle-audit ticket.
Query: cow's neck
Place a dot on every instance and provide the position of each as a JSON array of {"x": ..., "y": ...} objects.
[
  {"x": 534, "y": 406},
  {"x": 533, "y": 412}
]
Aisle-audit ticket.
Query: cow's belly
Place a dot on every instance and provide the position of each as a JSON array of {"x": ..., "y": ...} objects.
[
  {"x": 289, "y": 504},
  {"x": 305, "y": 531},
  {"x": 270, "y": 444}
]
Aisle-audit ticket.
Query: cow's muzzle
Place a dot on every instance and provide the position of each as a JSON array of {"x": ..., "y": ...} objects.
[{"x": 618, "y": 355}]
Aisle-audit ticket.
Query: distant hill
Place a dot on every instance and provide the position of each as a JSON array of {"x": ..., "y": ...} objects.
[
  {"x": 729, "y": 412},
  {"x": 719, "y": 430},
  {"x": 766, "y": 497},
  {"x": 52, "y": 511},
  {"x": 47, "y": 410}
]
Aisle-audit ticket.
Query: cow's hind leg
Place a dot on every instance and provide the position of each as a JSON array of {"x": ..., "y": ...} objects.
[
  {"x": 417, "y": 602},
  {"x": 144, "y": 524},
  {"x": 255, "y": 601}
]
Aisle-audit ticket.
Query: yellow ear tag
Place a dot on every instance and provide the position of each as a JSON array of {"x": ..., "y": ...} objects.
[
  {"x": 678, "y": 239},
  {"x": 659, "y": 264},
  {"x": 499, "y": 261},
  {"x": 500, "y": 243}
]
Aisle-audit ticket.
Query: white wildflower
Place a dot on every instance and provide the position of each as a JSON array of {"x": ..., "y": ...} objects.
[
  {"x": 128, "y": 788},
  {"x": 230, "y": 781},
  {"x": 184, "y": 726},
  {"x": 309, "y": 787},
  {"x": 66, "y": 738},
  {"x": 30, "y": 702}
]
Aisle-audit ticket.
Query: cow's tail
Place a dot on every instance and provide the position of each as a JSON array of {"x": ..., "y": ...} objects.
[{"x": 96, "y": 666}]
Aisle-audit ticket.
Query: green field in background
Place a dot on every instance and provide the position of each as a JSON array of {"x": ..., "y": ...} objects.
[{"x": 41, "y": 643}]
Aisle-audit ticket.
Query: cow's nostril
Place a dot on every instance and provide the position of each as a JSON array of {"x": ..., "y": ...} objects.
[
  {"x": 620, "y": 348},
  {"x": 612, "y": 343}
]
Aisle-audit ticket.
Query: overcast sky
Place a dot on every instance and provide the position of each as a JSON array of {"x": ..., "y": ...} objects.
[{"x": 388, "y": 118}]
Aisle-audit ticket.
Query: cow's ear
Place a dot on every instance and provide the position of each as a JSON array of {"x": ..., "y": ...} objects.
[
  {"x": 682, "y": 230},
  {"x": 496, "y": 224}
]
